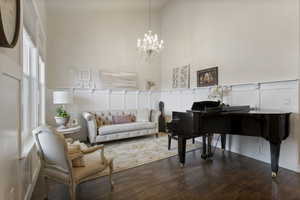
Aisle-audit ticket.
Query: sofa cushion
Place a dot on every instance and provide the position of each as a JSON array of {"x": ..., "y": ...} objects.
[{"x": 117, "y": 128}]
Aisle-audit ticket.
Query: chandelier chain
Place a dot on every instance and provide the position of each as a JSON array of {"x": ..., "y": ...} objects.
[{"x": 150, "y": 15}]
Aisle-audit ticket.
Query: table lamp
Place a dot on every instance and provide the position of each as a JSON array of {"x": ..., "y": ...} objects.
[{"x": 62, "y": 98}]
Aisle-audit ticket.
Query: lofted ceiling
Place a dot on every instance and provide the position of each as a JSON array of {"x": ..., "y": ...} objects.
[{"x": 106, "y": 4}]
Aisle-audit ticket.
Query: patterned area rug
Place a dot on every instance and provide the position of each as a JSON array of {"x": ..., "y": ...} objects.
[{"x": 139, "y": 151}]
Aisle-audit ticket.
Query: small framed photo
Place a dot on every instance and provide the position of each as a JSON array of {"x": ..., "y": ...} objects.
[{"x": 208, "y": 77}]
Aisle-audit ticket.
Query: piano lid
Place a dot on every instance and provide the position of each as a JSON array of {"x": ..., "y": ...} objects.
[
  {"x": 216, "y": 106},
  {"x": 203, "y": 105}
]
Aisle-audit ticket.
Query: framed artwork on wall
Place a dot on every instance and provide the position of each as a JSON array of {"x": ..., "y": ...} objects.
[
  {"x": 175, "y": 78},
  {"x": 184, "y": 81},
  {"x": 208, "y": 77},
  {"x": 124, "y": 80},
  {"x": 181, "y": 77}
]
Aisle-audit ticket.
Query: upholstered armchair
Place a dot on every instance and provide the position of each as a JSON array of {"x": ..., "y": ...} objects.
[{"x": 57, "y": 166}]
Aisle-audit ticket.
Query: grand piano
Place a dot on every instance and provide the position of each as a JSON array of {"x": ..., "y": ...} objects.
[{"x": 208, "y": 117}]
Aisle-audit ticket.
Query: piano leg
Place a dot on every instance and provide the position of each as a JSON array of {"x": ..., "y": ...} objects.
[
  {"x": 223, "y": 142},
  {"x": 169, "y": 142},
  {"x": 204, "y": 155},
  {"x": 181, "y": 150},
  {"x": 275, "y": 151},
  {"x": 209, "y": 142}
]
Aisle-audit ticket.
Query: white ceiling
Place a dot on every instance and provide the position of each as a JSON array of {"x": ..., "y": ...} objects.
[{"x": 106, "y": 4}]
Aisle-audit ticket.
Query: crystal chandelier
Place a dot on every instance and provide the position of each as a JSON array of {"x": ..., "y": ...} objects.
[{"x": 150, "y": 45}]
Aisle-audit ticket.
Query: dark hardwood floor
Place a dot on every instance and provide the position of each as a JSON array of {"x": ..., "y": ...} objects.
[{"x": 227, "y": 177}]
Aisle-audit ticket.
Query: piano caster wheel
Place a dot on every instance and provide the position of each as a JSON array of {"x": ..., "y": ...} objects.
[
  {"x": 223, "y": 150},
  {"x": 274, "y": 174},
  {"x": 204, "y": 156},
  {"x": 182, "y": 165}
]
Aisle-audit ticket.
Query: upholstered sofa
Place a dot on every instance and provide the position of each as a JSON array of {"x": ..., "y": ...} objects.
[{"x": 144, "y": 123}]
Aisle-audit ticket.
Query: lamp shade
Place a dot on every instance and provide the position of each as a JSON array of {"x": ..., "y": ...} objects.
[{"x": 62, "y": 97}]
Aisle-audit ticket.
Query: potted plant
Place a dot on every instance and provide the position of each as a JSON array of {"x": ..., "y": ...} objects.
[
  {"x": 150, "y": 85},
  {"x": 62, "y": 117}
]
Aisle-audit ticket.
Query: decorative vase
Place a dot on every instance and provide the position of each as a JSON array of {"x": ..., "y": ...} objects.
[
  {"x": 161, "y": 118},
  {"x": 62, "y": 121}
]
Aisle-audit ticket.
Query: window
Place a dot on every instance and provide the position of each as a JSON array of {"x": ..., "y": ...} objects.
[
  {"x": 42, "y": 86},
  {"x": 33, "y": 88}
]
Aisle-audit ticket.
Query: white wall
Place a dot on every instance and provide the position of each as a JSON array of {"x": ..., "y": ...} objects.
[
  {"x": 19, "y": 167},
  {"x": 98, "y": 40},
  {"x": 250, "y": 40},
  {"x": 9, "y": 147}
]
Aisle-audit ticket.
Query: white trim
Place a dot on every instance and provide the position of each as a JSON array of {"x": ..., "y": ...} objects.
[
  {"x": 27, "y": 148},
  {"x": 31, "y": 187}
]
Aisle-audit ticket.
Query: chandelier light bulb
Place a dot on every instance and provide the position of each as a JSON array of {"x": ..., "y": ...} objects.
[{"x": 150, "y": 45}]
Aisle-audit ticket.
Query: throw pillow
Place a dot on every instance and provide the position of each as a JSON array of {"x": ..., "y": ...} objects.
[
  {"x": 121, "y": 119},
  {"x": 99, "y": 121},
  {"x": 132, "y": 118}
]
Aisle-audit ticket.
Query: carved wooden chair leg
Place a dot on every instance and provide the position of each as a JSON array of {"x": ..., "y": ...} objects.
[
  {"x": 111, "y": 168},
  {"x": 46, "y": 187},
  {"x": 72, "y": 190}
]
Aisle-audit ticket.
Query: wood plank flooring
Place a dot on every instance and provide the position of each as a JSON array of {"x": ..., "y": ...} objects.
[{"x": 228, "y": 176}]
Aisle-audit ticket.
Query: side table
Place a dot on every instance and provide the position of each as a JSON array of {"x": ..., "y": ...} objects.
[{"x": 70, "y": 132}]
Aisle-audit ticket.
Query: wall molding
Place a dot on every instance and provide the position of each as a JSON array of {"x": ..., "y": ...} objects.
[{"x": 30, "y": 189}]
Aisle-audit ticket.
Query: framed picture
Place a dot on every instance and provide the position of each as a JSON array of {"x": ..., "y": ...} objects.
[
  {"x": 181, "y": 77},
  {"x": 208, "y": 77},
  {"x": 175, "y": 78},
  {"x": 128, "y": 80},
  {"x": 184, "y": 81}
]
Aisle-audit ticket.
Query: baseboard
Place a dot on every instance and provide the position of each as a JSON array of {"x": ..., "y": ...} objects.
[{"x": 33, "y": 184}]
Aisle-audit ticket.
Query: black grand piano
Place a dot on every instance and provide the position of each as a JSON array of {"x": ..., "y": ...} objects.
[{"x": 209, "y": 117}]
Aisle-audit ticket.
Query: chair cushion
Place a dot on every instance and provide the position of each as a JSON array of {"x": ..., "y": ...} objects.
[
  {"x": 93, "y": 165},
  {"x": 117, "y": 128},
  {"x": 75, "y": 155}
]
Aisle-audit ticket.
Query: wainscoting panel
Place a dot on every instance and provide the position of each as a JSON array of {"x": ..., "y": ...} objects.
[
  {"x": 131, "y": 100},
  {"x": 245, "y": 95},
  {"x": 154, "y": 99},
  {"x": 144, "y": 100},
  {"x": 117, "y": 101}
]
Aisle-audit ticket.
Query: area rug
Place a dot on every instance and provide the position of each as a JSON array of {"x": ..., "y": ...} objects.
[{"x": 139, "y": 151}]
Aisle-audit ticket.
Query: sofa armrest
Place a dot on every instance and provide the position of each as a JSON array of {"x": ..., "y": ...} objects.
[
  {"x": 91, "y": 125},
  {"x": 154, "y": 116}
]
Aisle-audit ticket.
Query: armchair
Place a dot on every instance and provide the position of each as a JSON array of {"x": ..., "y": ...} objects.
[{"x": 57, "y": 166}]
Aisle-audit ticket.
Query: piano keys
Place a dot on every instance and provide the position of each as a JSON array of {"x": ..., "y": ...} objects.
[{"x": 208, "y": 118}]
